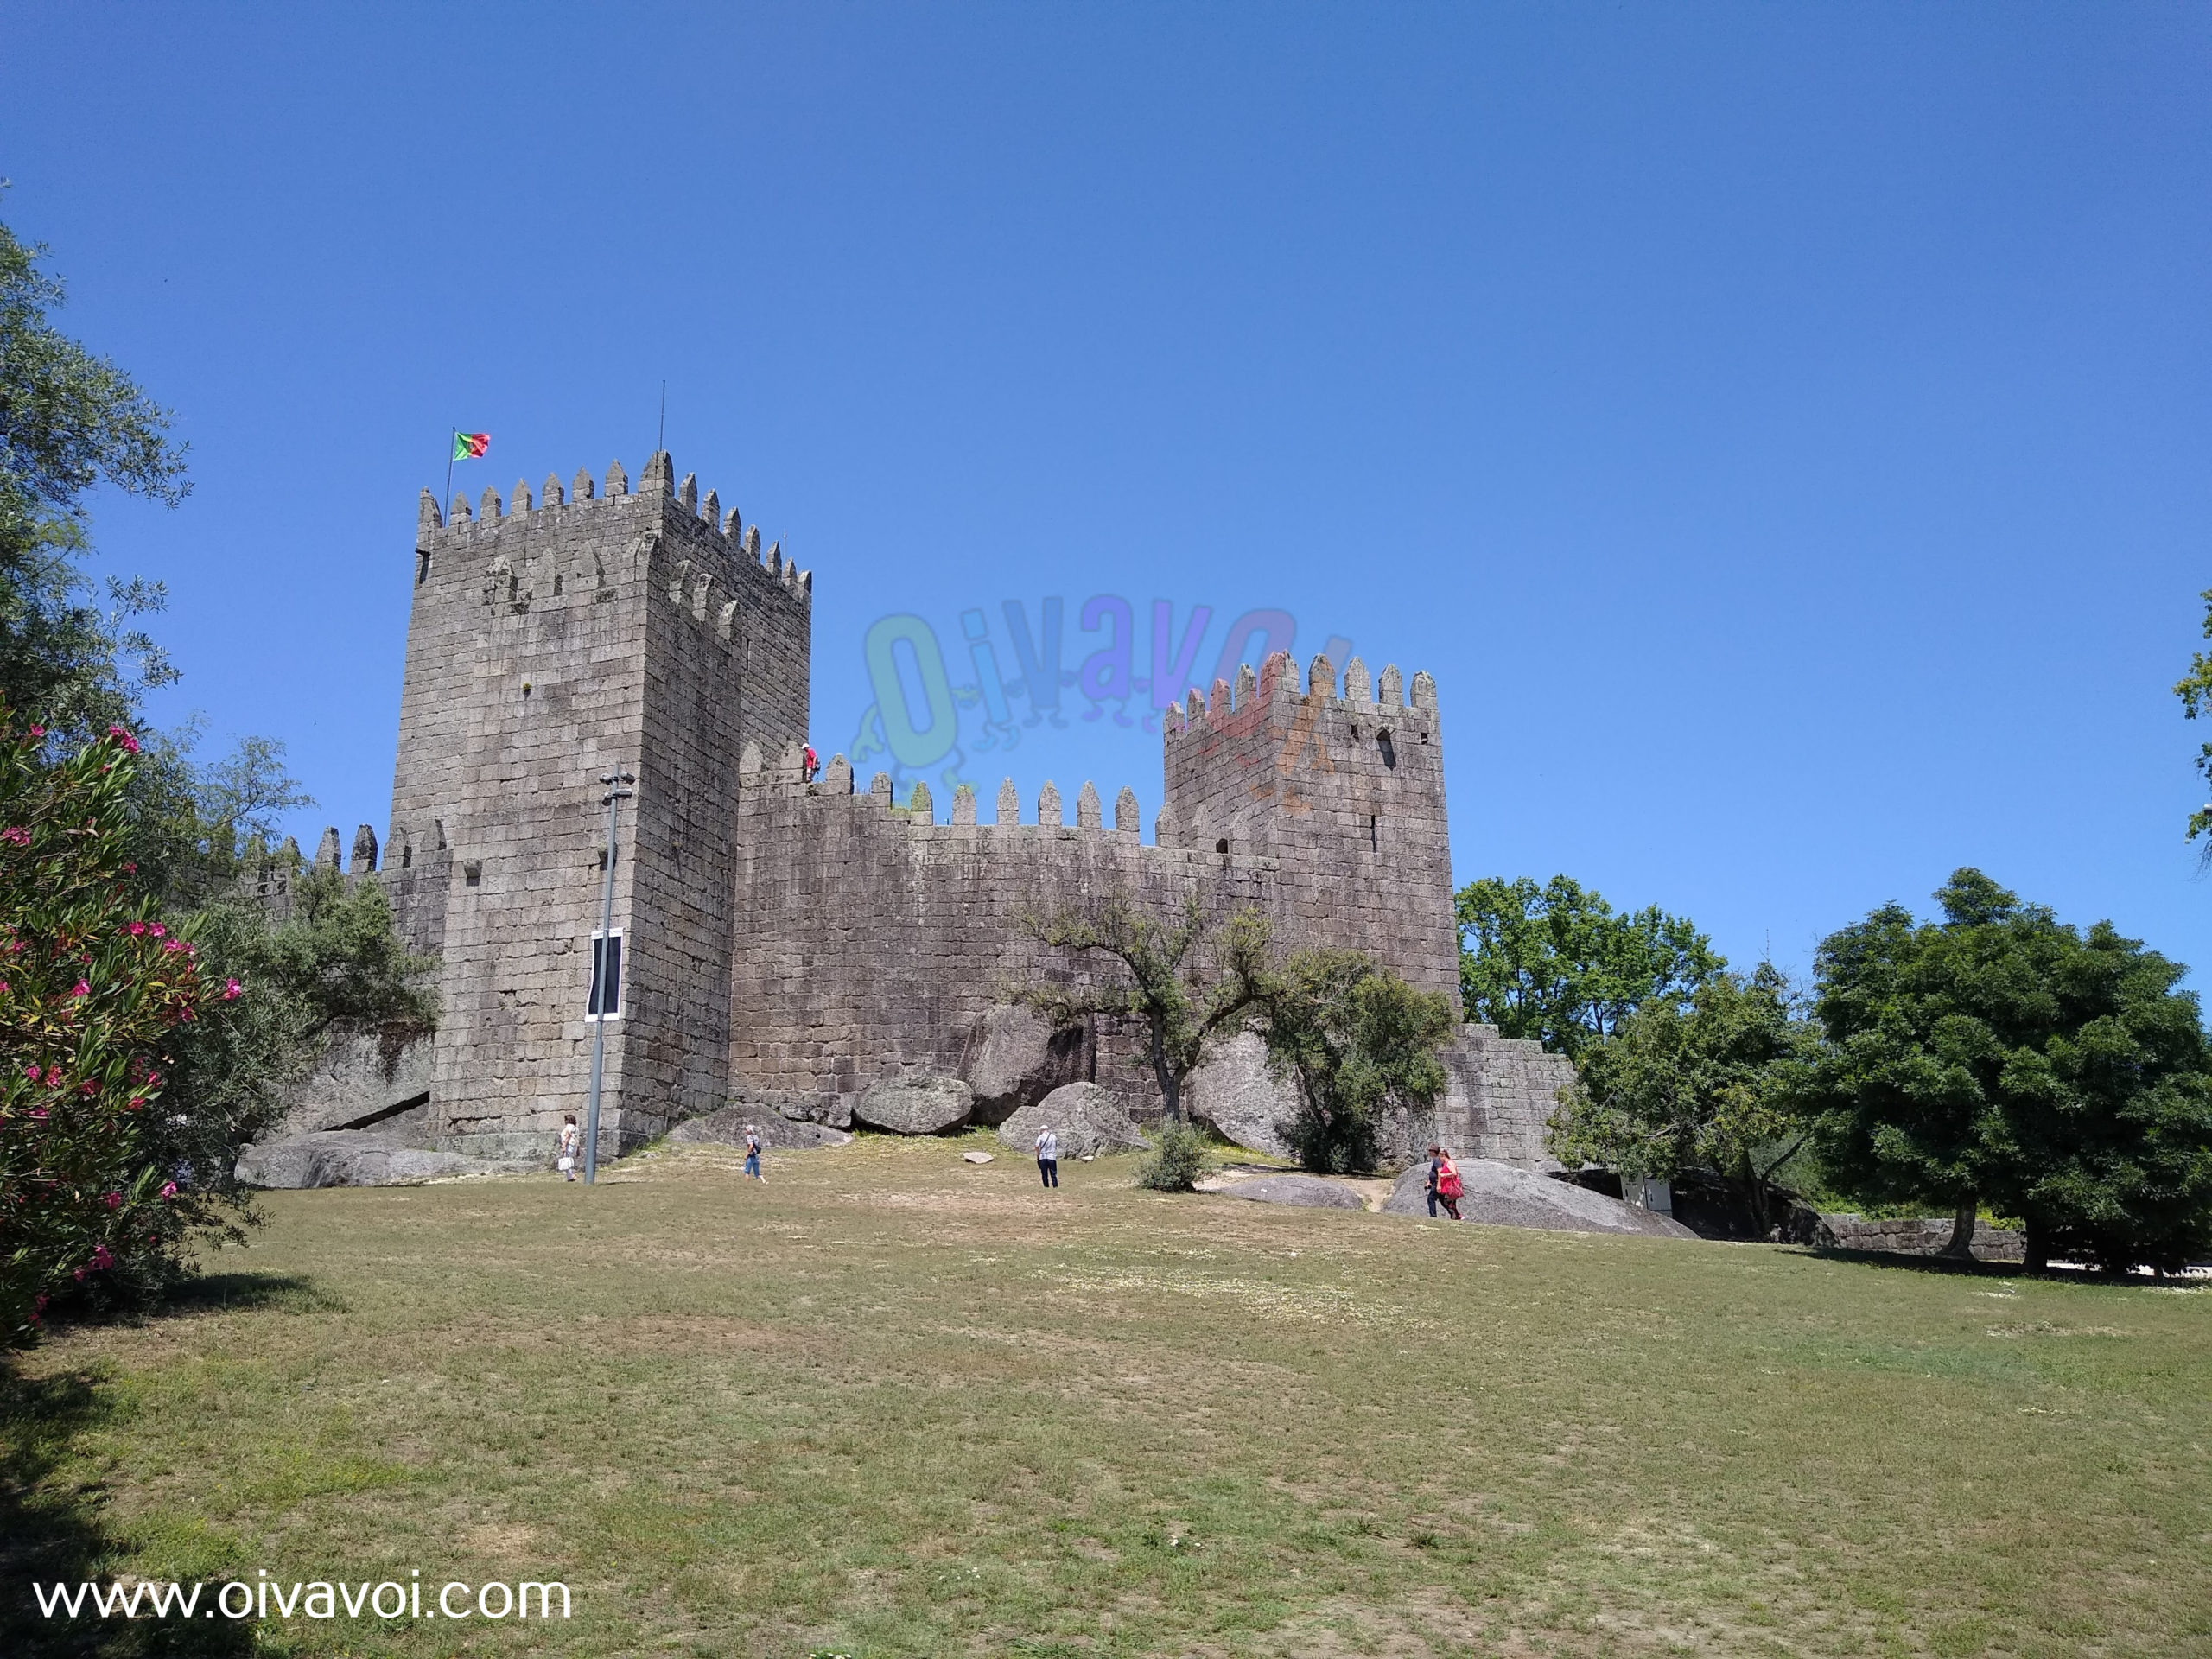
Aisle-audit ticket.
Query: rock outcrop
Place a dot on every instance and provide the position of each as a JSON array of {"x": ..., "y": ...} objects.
[
  {"x": 727, "y": 1127},
  {"x": 1087, "y": 1119},
  {"x": 1019, "y": 1059},
  {"x": 354, "y": 1158},
  {"x": 922, "y": 1105},
  {"x": 1506, "y": 1195},
  {"x": 1307, "y": 1191},
  {"x": 1233, "y": 1091}
]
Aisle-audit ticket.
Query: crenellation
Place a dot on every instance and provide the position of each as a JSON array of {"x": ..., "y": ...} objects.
[
  {"x": 487, "y": 507},
  {"x": 1357, "y": 691},
  {"x": 460, "y": 514},
  {"x": 1391, "y": 692},
  {"x": 919, "y": 804},
  {"x": 1424, "y": 691},
  {"x": 1009, "y": 803},
  {"x": 732, "y": 524},
  {"x": 880, "y": 787},
  {"x": 618, "y": 481},
  {"x": 1050, "y": 814},
  {"x": 1126, "y": 815},
  {"x": 687, "y": 494},
  {"x": 426, "y": 517},
  {"x": 710, "y": 510},
  {"x": 963, "y": 806},
  {"x": 1321, "y": 679},
  {"x": 551, "y": 496},
  {"x": 1088, "y": 814},
  {"x": 585, "y": 488},
  {"x": 519, "y": 501}
]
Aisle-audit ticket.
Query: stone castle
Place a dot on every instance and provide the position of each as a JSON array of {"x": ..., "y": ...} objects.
[{"x": 790, "y": 942}]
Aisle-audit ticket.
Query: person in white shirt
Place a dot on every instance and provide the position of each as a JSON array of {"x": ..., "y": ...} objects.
[
  {"x": 1048, "y": 1156},
  {"x": 566, "y": 1146}
]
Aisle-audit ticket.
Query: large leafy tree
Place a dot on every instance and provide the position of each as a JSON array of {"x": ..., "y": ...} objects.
[
  {"x": 1999, "y": 1057},
  {"x": 1354, "y": 1035},
  {"x": 1707, "y": 1086},
  {"x": 1180, "y": 981},
  {"x": 1556, "y": 964},
  {"x": 69, "y": 421}
]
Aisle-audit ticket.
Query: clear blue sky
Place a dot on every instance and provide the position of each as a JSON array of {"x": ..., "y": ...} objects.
[{"x": 1783, "y": 430}]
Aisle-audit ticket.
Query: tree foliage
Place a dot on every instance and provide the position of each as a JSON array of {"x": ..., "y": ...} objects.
[
  {"x": 1352, "y": 1035},
  {"x": 1556, "y": 963},
  {"x": 93, "y": 991},
  {"x": 1181, "y": 982},
  {"x": 69, "y": 421},
  {"x": 1706, "y": 1087},
  {"x": 1998, "y": 1057}
]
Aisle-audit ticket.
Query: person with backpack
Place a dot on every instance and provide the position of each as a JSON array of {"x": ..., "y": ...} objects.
[
  {"x": 752, "y": 1155},
  {"x": 1048, "y": 1156},
  {"x": 1448, "y": 1186}
]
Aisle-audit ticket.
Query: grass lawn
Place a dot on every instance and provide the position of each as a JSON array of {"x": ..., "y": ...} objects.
[{"x": 892, "y": 1404}]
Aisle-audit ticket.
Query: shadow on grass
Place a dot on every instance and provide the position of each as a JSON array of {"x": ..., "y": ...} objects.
[
  {"x": 219, "y": 1293},
  {"x": 50, "y": 1532},
  {"x": 1903, "y": 1262}
]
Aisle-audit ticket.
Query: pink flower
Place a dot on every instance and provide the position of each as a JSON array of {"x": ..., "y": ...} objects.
[
  {"x": 3, "y": 988},
  {"x": 136, "y": 929},
  {"x": 38, "y": 1114},
  {"x": 33, "y": 1073},
  {"x": 81, "y": 989},
  {"x": 130, "y": 743},
  {"x": 173, "y": 944},
  {"x": 38, "y": 731},
  {"x": 232, "y": 989},
  {"x": 157, "y": 930},
  {"x": 103, "y": 1258},
  {"x": 168, "y": 1189},
  {"x": 16, "y": 836},
  {"x": 131, "y": 869},
  {"x": 114, "y": 1200}
]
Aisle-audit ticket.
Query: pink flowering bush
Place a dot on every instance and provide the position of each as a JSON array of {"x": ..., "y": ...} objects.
[{"x": 90, "y": 1009}]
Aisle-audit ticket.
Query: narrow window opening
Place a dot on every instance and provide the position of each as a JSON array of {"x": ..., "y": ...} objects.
[
  {"x": 1390, "y": 753},
  {"x": 514, "y": 589},
  {"x": 472, "y": 872},
  {"x": 1222, "y": 847},
  {"x": 1374, "y": 840},
  {"x": 556, "y": 584},
  {"x": 604, "y": 1000},
  {"x": 406, "y": 858},
  {"x": 422, "y": 567}
]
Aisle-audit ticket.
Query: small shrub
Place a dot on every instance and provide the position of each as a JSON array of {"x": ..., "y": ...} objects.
[{"x": 1180, "y": 1156}]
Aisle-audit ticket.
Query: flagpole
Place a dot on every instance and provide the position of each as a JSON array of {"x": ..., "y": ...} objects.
[{"x": 452, "y": 436}]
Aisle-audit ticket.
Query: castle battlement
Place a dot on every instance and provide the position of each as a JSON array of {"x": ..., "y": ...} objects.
[
  {"x": 1255, "y": 698},
  {"x": 725, "y": 533}
]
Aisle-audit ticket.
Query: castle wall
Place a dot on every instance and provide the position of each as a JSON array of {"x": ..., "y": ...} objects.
[{"x": 872, "y": 940}]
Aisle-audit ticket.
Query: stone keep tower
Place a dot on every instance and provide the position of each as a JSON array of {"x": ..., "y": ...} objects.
[
  {"x": 551, "y": 642},
  {"x": 1343, "y": 797}
]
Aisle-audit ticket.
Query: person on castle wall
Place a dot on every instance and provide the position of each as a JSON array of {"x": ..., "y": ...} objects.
[
  {"x": 565, "y": 1145},
  {"x": 811, "y": 762},
  {"x": 1048, "y": 1156},
  {"x": 753, "y": 1154}
]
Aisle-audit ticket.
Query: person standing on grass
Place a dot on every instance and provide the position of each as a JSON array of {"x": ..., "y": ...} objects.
[
  {"x": 564, "y": 1147},
  {"x": 1436, "y": 1166},
  {"x": 752, "y": 1155},
  {"x": 1048, "y": 1156},
  {"x": 1448, "y": 1186}
]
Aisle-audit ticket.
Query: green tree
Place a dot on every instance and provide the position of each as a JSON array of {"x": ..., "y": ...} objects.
[
  {"x": 94, "y": 992},
  {"x": 1353, "y": 1035},
  {"x": 1556, "y": 963},
  {"x": 1181, "y": 983},
  {"x": 1709, "y": 1086},
  {"x": 1998, "y": 1057},
  {"x": 69, "y": 421}
]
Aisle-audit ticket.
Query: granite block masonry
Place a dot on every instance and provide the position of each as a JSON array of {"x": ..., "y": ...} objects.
[{"x": 805, "y": 939}]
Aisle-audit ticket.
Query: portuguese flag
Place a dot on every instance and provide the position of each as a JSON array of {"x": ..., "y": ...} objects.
[{"x": 470, "y": 445}]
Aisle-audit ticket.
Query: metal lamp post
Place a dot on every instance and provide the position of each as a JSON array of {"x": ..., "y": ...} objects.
[{"x": 603, "y": 970}]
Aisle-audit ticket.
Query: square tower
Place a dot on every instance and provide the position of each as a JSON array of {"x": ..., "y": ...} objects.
[
  {"x": 551, "y": 642},
  {"x": 1344, "y": 797}
]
